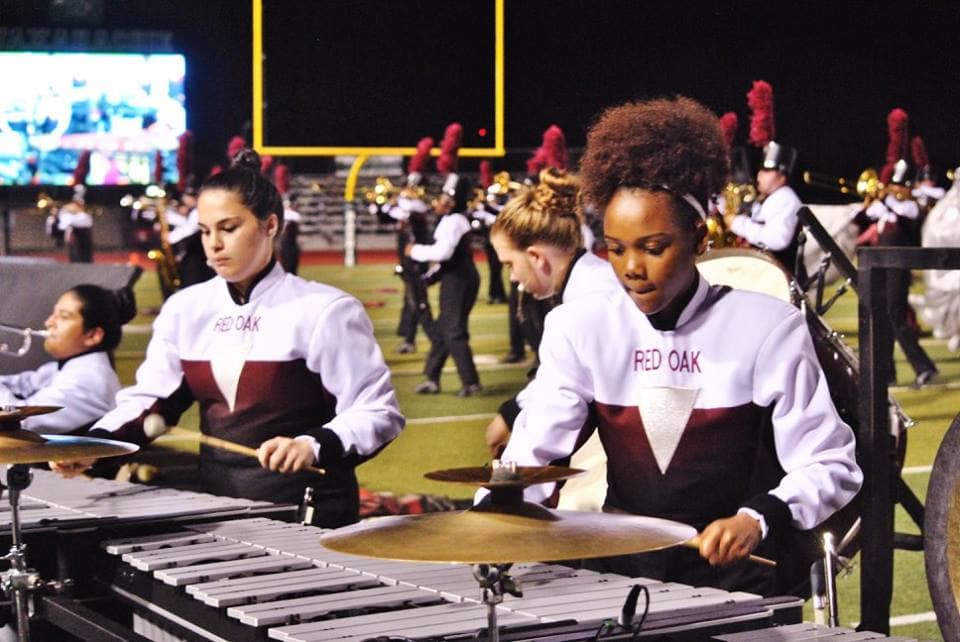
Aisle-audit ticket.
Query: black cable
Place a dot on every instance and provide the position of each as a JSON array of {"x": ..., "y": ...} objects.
[{"x": 646, "y": 610}]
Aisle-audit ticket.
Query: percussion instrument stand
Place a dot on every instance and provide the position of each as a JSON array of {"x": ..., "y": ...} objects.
[
  {"x": 18, "y": 580},
  {"x": 494, "y": 582}
]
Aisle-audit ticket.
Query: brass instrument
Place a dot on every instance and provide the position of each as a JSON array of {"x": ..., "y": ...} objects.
[
  {"x": 26, "y": 340},
  {"x": 736, "y": 196},
  {"x": 867, "y": 186},
  {"x": 502, "y": 185},
  {"x": 382, "y": 192},
  {"x": 167, "y": 270}
]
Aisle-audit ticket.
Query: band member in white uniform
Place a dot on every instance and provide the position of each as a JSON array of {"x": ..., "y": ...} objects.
[
  {"x": 459, "y": 284},
  {"x": 537, "y": 236},
  {"x": 75, "y": 224},
  {"x": 710, "y": 402},
  {"x": 277, "y": 363},
  {"x": 84, "y": 330},
  {"x": 772, "y": 224}
]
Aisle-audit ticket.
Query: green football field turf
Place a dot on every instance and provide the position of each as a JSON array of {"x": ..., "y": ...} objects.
[{"x": 444, "y": 431}]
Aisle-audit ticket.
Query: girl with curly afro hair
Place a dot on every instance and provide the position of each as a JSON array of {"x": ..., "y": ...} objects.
[{"x": 709, "y": 401}]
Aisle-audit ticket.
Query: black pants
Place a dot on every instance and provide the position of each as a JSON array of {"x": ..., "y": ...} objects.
[
  {"x": 416, "y": 307},
  {"x": 898, "y": 289},
  {"x": 449, "y": 334},
  {"x": 80, "y": 245},
  {"x": 495, "y": 291}
]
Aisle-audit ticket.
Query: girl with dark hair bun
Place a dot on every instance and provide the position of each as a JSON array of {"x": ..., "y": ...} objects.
[
  {"x": 277, "y": 363},
  {"x": 710, "y": 402},
  {"x": 84, "y": 329}
]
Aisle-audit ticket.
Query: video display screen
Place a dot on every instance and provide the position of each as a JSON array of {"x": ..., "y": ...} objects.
[{"x": 122, "y": 107}]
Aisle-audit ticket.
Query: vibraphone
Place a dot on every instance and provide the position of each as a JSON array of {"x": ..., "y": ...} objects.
[
  {"x": 63, "y": 522},
  {"x": 260, "y": 579},
  {"x": 51, "y": 502}
]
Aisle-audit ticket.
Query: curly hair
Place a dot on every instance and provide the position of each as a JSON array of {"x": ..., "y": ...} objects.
[
  {"x": 667, "y": 144},
  {"x": 547, "y": 213}
]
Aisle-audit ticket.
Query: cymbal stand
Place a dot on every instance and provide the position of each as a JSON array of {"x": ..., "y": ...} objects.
[
  {"x": 19, "y": 580},
  {"x": 494, "y": 582}
]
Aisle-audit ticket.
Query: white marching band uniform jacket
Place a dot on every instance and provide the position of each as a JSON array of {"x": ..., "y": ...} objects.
[
  {"x": 773, "y": 223},
  {"x": 298, "y": 359},
  {"x": 85, "y": 386},
  {"x": 681, "y": 412}
]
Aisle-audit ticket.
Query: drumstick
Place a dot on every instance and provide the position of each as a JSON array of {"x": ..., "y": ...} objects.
[
  {"x": 756, "y": 559},
  {"x": 154, "y": 426}
]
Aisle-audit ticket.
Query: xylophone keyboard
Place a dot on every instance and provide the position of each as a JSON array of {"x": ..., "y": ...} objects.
[{"x": 261, "y": 579}]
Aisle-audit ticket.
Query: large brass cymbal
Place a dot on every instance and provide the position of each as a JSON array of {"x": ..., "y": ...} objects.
[
  {"x": 501, "y": 534},
  {"x": 489, "y": 477},
  {"x": 16, "y": 413},
  {"x": 26, "y": 447}
]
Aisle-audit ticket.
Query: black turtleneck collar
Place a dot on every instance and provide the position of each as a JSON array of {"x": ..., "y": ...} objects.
[
  {"x": 235, "y": 293},
  {"x": 558, "y": 297},
  {"x": 662, "y": 322}
]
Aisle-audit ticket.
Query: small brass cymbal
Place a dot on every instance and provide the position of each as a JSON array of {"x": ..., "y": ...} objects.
[
  {"x": 502, "y": 534},
  {"x": 504, "y": 478},
  {"x": 25, "y": 447},
  {"x": 15, "y": 413}
]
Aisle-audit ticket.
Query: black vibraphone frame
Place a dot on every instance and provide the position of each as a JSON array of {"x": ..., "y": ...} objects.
[{"x": 883, "y": 487}]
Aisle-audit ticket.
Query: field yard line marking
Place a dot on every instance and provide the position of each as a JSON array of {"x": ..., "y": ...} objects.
[
  {"x": 421, "y": 421},
  {"x": 916, "y": 470},
  {"x": 913, "y": 618}
]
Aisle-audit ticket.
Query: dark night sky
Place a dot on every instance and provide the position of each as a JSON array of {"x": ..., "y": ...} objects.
[{"x": 837, "y": 68}]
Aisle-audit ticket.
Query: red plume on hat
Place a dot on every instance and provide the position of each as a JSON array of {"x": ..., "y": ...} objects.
[
  {"x": 418, "y": 162},
  {"x": 450, "y": 148},
  {"x": 184, "y": 159},
  {"x": 897, "y": 124},
  {"x": 555, "y": 147},
  {"x": 728, "y": 125},
  {"x": 536, "y": 162},
  {"x": 82, "y": 169},
  {"x": 234, "y": 146},
  {"x": 486, "y": 174},
  {"x": 760, "y": 101},
  {"x": 281, "y": 178},
  {"x": 266, "y": 164},
  {"x": 158, "y": 168},
  {"x": 918, "y": 151}
]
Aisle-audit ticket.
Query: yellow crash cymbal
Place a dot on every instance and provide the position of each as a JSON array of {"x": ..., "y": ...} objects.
[
  {"x": 501, "y": 534},
  {"x": 503, "y": 477},
  {"x": 25, "y": 447},
  {"x": 15, "y": 413}
]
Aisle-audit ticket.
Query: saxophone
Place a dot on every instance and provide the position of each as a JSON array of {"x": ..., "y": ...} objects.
[{"x": 167, "y": 270}]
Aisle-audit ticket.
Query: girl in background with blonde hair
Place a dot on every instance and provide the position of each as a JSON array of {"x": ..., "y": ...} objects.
[{"x": 538, "y": 237}]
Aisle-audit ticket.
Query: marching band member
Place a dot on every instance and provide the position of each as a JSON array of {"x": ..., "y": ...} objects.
[
  {"x": 893, "y": 220},
  {"x": 709, "y": 401},
  {"x": 459, "y": 284},
  {"x": 74, "y": 223},
  {"x": 410, "y": 213},
  {"x": 84, "y": 330},
  {"x": 772, "y": 224},
  {"x": 538, "y": 237},
  {"x": 277, "y": 363},
  {"x": 187, "y": 243}
]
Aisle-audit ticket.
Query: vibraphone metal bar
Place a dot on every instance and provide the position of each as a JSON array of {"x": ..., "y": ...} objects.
[
  {"x": 51, "y": 502},
  {"x": 274, "y": 580}
]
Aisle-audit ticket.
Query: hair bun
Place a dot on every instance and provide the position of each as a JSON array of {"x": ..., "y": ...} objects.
[
  {"x": 125, "y": 303},
  {"x": 247, "y": 159},
  {"x": 558, "y": 192}
]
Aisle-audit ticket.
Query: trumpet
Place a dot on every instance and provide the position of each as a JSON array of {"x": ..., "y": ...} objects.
[
  {"x": 26, "y": 339},
  {"x": 382, "y": 192},
  {"x": 867, "y": 186},
  {"x": 502, "y": 185}
]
